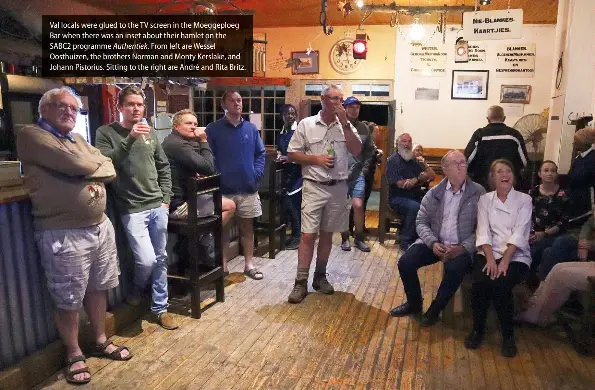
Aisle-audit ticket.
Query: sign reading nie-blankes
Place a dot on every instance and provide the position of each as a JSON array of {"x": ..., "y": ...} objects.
[{"x": 500, "y": 24}]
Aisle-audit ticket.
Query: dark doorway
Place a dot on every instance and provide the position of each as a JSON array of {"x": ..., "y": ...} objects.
[
  {"x": 371, "y": 112},
  {"x": 379, "y": 113}
]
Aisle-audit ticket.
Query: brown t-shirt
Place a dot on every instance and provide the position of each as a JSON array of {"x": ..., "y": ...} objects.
[{"x": 65, "y": 179}]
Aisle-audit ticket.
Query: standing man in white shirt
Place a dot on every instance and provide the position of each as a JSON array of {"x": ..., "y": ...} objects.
[{"x": 321, "y": 144}]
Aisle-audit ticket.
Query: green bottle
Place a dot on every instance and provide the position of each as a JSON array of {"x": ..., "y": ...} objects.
[{"x": 331, "y": 152}]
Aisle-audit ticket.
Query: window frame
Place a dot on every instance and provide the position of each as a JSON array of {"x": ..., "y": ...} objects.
[{"x": 270, "y": 106}]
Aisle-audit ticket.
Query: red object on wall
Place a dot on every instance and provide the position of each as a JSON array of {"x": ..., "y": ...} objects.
[
  {"x": 360, "y": 49},
  {"x": 109, "y": 100}
]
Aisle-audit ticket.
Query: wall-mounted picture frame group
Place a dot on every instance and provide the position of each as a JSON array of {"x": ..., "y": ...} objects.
[
  {"x": 304, "y": 62},
  {"x": 515, "y": 94},
  {"x": 470, "y": 84}
]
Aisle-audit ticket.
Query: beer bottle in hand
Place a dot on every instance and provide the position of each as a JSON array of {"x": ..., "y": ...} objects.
[{"x": 331, "y": 152}]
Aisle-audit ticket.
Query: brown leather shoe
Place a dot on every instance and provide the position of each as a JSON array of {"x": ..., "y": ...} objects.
[
  {"x": 321, "y": 284},
  {"x": 167, "y": 321},
  {"x": 299, "y": 292}
]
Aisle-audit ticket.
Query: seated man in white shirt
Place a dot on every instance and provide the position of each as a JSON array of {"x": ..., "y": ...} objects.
[{"x": 446, "y": 228}]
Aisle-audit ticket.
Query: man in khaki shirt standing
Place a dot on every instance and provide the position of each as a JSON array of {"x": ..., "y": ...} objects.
[{"x": 321, "y": 144}]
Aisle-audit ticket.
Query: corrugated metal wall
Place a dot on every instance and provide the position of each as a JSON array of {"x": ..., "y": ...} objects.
[
  {"x": 25, "y": 308},
  {"x": 125, "y": 257},
  {"x": 26, "y": 321}
]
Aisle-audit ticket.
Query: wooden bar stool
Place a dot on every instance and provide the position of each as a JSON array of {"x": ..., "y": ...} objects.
[
  {"x": 275, "y": 223},
  {"x": 193, "y": 228}
]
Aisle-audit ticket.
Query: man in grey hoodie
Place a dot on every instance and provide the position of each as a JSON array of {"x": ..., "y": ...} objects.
[{"x": 446, "y": 228}]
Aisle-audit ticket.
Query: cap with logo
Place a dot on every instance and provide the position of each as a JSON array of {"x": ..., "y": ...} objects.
[{"x": 351, "y": 100}]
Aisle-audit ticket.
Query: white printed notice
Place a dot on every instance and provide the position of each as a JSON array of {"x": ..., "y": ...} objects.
[
  {"x": 477, "y": 53},
  {"x": 428, "y": 60},
  {"x": 500, "y": 24},
  {"x": 515, "y": 60}
]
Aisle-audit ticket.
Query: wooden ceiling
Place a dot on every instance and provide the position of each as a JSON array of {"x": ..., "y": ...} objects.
[{"x": 292, "y": 13}]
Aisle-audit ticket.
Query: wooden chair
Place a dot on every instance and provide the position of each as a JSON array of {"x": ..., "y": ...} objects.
[
  {"x": 193, "y": 228},
  {"x": 274, "y": 223},
  {"x": 383, "y": 210},
  {"x": 387, "y": 217},
  {"x": 393, "y": 221}
]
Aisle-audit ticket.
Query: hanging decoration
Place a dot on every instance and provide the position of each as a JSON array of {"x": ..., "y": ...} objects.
[
  {"x": 417, "y": 32},
  {"x": 328, "y": 30}
]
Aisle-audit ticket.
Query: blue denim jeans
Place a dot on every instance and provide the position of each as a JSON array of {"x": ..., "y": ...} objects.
[
  {"x": 563, "y": 249},
  {"x": 147, "y": 236},
  {"x": 538, "y": 248},
  {"x": 407, "y": 210}
]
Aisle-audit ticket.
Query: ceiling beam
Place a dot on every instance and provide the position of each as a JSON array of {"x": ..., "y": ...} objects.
[
  {"x": 236, "y": 12},
  {"x": 417, "y": 10},
  {"x": 249, "y": 81}
]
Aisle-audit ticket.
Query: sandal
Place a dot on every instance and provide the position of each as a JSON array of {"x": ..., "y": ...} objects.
[
  {"x": 254, "y": 274},
  {"x": 71, "y": 373},
  {"x": 99, "y": 351}
]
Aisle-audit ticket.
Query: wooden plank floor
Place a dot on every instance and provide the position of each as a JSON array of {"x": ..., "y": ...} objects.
[{"x": 256, "y": 340}]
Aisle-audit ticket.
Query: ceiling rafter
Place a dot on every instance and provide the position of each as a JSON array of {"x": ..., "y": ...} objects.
[{"x": 301, "y": 13}]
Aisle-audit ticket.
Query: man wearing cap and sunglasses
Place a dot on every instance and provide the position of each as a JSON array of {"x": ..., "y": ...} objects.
[
  {"x": 322, "y": 144},
  {"x": 358, "y": 169}
]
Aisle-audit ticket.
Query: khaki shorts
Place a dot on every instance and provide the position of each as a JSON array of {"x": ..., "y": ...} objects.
[
  {"x": 247, "y": 205},
  {"x": 325, "y": 208},
  {"x": 78, "y": 260}
]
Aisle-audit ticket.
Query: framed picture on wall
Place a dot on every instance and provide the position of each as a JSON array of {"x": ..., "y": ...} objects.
[
  {"x": 304, "y": 63},
  {"x": 470, "y": 84},
  {"x": 515, "y": 94}
]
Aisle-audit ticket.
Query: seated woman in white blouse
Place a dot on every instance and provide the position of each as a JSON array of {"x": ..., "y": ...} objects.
[{"x": 503, "y": 258}]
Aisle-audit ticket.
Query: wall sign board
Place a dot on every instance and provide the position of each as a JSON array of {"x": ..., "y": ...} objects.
[
  {"x": 477, "y": 53},
  {"x": 499, "y": 24},
  {"x": 515, "y": 60},
  {"x": 428, "y": 60}
]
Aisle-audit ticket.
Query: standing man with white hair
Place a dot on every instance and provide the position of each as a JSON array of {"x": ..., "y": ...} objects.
[
  {"x": 405, "y": 175},
  {"x": 66, "y": 180},
  {"x": 493, "y": 142},
  {"x": 321, "y": 144}
]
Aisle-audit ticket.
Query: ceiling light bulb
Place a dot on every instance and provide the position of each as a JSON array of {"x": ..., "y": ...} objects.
[
  {"x": 360, "y": 3},
  {"x": 417, "y": 32}
]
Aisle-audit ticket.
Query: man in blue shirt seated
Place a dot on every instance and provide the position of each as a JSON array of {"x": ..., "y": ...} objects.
[
  {"x": 239, "y": 157},
  {"x": 405, "y": 176}
]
